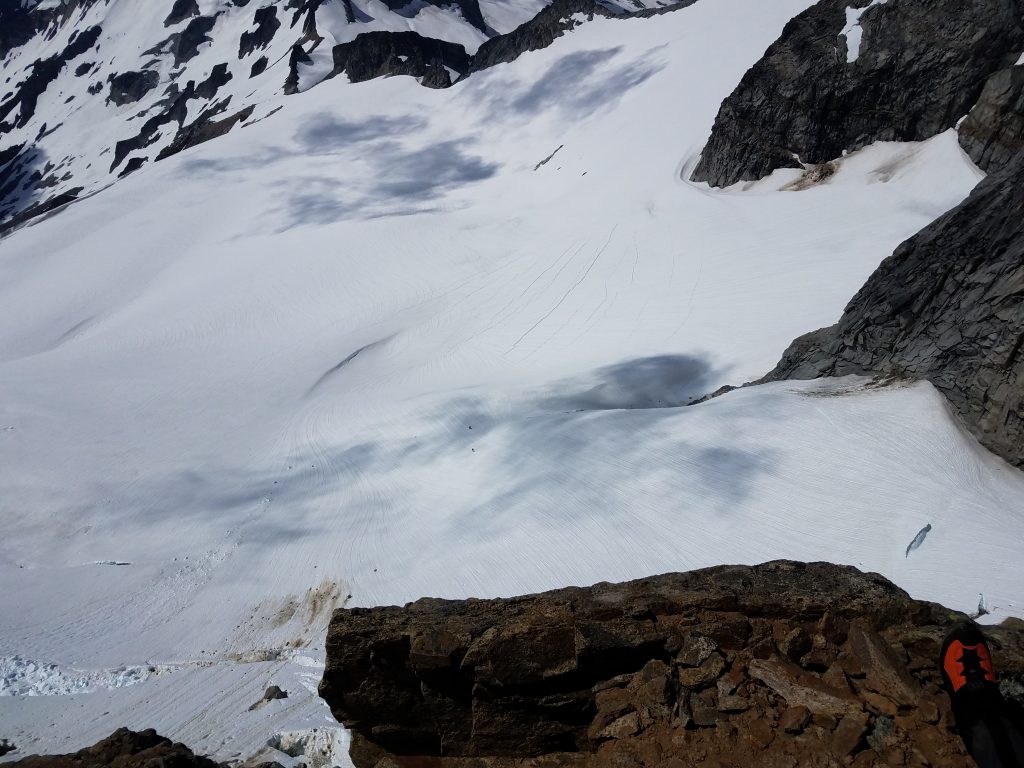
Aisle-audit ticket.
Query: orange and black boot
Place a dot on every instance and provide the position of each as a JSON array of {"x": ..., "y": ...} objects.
[
  {"x": 981, "y": 713},
  {"x": 967, "y": 662}
]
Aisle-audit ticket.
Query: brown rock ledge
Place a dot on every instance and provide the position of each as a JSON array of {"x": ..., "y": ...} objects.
[
  {"x": 124, "y": 749},
  {"x": 781, "y": 664}
]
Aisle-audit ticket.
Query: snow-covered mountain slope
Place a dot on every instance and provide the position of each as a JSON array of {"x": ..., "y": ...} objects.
[
  {"x": 388, "y": 341},
  {"x": 95, "y": 89}
]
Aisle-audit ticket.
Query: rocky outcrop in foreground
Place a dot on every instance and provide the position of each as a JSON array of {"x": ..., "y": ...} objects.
[
  {"x": 782, "y": 664},
  {"x": 947, "y": 306},
  {"x": 844, "y": 74},
  {"x": 124, "y": 749}
]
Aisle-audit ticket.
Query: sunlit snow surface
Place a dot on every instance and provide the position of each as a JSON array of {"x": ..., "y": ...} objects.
[{"x": 362, "y": 348}]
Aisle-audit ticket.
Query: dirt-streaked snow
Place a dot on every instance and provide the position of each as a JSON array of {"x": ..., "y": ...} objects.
[{"x": 362, "y": 351}]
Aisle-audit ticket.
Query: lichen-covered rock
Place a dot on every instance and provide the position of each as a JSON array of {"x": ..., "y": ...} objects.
[
  {"x": 846, "y": 73},
  {"x": 679, "y": 669},
  {"x": 947, "y": 306}
]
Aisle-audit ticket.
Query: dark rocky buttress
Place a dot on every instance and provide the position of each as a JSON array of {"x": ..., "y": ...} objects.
[
  {"x": 947, "y": 306},
  {"x": 920, "y": 67},
  {"x": 381, "y": 54}
]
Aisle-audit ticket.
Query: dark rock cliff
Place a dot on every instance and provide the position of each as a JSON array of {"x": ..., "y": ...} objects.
[
  {"x": 129, "y": 87},
  {"x": 779, "y": 664},
  {"x": 920, "y": 66},
  {"x": 181, "y": 10},
  {"x": 947, "y": 306},
  {"x": 993, "y": 132},
  {"x": 19, "y": 22},
  {"x": 381, "y": 54}
]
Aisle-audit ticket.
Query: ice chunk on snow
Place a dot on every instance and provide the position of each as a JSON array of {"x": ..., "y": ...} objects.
[
  {"x": 853, "y": 31},
  {"x": 318, "y": 747},
  {"x": 918, "y": 539},
  {"x": 25, "y": 677}
]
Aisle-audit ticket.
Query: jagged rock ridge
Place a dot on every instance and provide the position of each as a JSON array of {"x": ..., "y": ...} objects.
[
  {"x": 778, "y": 664},
  {"x": 843, "y": 75}
]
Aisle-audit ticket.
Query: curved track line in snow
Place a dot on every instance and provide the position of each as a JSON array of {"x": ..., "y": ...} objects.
[{"x": 565, "y": 295}]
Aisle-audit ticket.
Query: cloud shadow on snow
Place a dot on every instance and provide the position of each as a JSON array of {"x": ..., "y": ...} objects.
[
  {"x": 397, "y": 178},
  {"x": 661, "y": 381},
  {"x": 394, "y": 177},
  {"x": 569, "y": 458},
  {"x": 577, "y": 85},
  {"x": 325, "y": 132},
  {"x": 400, "y": 182}
]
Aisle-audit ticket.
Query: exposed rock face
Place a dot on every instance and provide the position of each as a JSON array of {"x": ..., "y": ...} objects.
[
  {"x": 43, "y": 73},
  {"x": 918, "y": 67},
  {"x": 20, "y": 21},
  {"x": 129, "y": 87},
  {"x": 470, "y": 10},
  {"x": 38, "y": 209},
  {"x": 17, "y": 26},
  {"x": 267, "y": 24},
  {"x": 124, "y": 749},
  {"x": 779, "y": 664},
  {"x": 993, "y": 132},
  {"x": 296, "y": 58},
  {"x": 184, "y": 45},
  {"x": 203, "y": 129},
  {"x": 380, "y": 54},
  {"x": 181, "y": 10},
  {"x": 551, "y": 23},
  {"x": 947, "y": 306},
  {"x": 539, "y": 32}
]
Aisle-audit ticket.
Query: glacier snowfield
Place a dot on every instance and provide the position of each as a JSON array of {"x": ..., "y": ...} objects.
[{"x": 371, "y": 348}]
